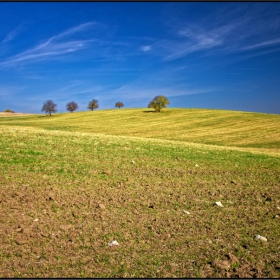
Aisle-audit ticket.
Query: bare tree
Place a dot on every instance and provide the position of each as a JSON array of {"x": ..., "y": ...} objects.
[
  {"x": 49, "y": 107},
  {"x": 72, "y": 106},
  {"x": 93, "y": 104},
  {"x": 119, "y": 104}
]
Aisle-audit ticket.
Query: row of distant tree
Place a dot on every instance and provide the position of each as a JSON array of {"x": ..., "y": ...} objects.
[{"x": 49, "y": 106}]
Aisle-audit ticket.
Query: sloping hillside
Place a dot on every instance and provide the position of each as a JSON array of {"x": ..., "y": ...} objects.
[
  {"x": 204, "y": 126},
  {"x": 66, "y": 194}
]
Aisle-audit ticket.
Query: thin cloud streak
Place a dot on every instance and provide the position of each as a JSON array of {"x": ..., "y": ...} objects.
[
  {"x": 140, "y": 93},
  {"x": 74, "y": 90},
  {"x": 11, "y": 35},
  {"x": 75, "y": 29},
  {"x": 145, "y": 48},
  {"x": 225, "y": 38},
  {"x": 263, "y": 44},
  {"x": 52, "y": 47},
  {"x": 196, "y": 38}
]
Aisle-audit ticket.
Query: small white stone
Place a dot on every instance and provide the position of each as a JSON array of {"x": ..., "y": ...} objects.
[
  {"x": 36, "y": 220},
  {"x": 196, "y": 165},
  {"x": 114, "y": 242},
  {"x": 257, "y": 237},
  {"x": 186, "y": 212},
  {"x": 219, "y": 204},
  {"x": 133, "y": 161}
]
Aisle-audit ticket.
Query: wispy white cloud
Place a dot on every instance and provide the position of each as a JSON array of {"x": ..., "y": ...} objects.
[
  {"x": 56, "y": 45},
  {"x": 230, "y": 31},
  {"x": 76, "y": 29},
  {"x": 7, "y": 90},
  {"x": 192, "y": 38},
  {"x": 262, "y": 44},
  {"x": 75, "y": 89},
  {"x": 136, "y": 93},
  {"x": 145, "y": 48},
  {"x": 13, "y": 34}
]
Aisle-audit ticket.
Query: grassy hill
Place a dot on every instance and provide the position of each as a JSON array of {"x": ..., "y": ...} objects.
[
  {"x": 259, "y": 132},
  {"x": 70, "y": 184}
]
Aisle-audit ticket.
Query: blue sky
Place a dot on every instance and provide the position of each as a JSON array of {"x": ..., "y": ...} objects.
[{"x": 220, "y": 55}]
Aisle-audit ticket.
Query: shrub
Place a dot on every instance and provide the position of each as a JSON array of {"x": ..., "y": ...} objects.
[{"x": 9, "y": 111}]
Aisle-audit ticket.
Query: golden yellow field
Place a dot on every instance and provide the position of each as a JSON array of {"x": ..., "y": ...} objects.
[{"x": 250, "y": 131}]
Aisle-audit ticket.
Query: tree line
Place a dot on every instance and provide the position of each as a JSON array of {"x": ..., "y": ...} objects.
[{"x": 159, "y": 102}]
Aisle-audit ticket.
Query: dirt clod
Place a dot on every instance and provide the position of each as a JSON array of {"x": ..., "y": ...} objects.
[
  {"x": 233, "y": 258},
  {"x": 246, "y": 271},
  {"x": 21, "y": 241},
  {"x": 101, "y": 206},
  {"x": 225, "y": 265}
]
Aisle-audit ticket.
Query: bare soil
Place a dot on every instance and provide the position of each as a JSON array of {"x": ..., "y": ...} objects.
[{"x": 65, "y": 196}]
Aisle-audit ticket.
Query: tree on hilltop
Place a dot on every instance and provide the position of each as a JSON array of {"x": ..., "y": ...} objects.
[
  {"x": 9, "y": 111},
  {"x": 72, "y": 106},
  {"x": 158, "y": 103},
  {"x": 49, "y": 107},
  {"x": 93, "y": 104},
  {"x": 119, "y": 104}
]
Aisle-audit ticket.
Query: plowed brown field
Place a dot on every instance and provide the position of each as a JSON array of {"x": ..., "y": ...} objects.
[{"x": 64, "y": 196}]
